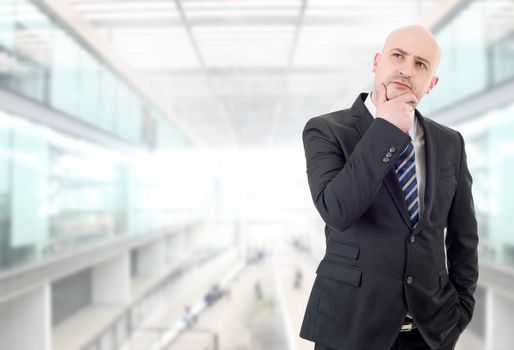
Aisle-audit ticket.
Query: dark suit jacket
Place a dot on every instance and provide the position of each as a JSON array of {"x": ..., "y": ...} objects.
[{"x": 376, "y": 266}]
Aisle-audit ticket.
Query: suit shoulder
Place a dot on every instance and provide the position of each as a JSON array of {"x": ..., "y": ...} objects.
[{"x": 333, "y": 119}]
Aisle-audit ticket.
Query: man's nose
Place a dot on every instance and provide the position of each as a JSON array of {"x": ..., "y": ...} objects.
[{"x": 405, "y": 71}]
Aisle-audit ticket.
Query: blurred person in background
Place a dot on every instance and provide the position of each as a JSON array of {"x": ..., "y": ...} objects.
[
  {"x": 298, "y": 279},
  {"x": 188, "y": 317},
  {"x": 388, "y": 181}
]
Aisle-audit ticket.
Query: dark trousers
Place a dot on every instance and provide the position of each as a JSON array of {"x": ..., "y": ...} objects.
[{"x": 411, "y": 341}]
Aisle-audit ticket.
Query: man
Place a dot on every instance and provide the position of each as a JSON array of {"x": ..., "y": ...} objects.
[{"x": 388, "y": 182}]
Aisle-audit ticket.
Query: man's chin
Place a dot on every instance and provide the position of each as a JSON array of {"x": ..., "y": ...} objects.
[{"x": 393, "y": 91}]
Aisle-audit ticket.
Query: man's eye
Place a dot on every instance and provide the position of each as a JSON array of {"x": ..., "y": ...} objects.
[
  {"x": 397, "y": 55},
  {"x": 421, "y": 65}
]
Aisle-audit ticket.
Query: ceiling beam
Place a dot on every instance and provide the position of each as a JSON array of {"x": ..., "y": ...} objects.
[
  {"x": 248, "y": 71},
  {"x": 221, "y": 107},
  {"x": 346, "y": 21},
  {"x": 283, "y": 90}
]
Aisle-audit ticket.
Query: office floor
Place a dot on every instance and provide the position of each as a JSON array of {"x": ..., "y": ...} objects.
[
  {"x": 242, "y": 321},
  {"x": 245, "y": 321}
]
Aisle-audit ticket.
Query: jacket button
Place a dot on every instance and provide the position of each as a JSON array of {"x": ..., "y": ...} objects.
[
  {"x": 392, "y": 149},
  {"x": 389, "y": 154},
  {"x": 385, "y": 160},
  {"x": 412, "y": 239},
  {"x": 409, "y": 280}
]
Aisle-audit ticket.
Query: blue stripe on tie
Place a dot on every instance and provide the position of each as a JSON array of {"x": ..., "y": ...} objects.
[
  {"x": 409, "y": 189},
  {"x": 412, "y": 199},
  {"x": 408, "y": 184},
  {"x": 399, "y": 164},
  {"x": 406, "y": 152},
  {"x": 408, "y": 177},
  {"x": 411, "y": 205},
  {"x": 405, "y": 168},
  {"x": 414, "y": 207},
  {"x": 409, "y": 197}
]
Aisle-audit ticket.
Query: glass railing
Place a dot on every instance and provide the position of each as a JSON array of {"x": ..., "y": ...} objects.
[
  {"x": 42, "y": 61},
  {"x": 58, "y": 192}
]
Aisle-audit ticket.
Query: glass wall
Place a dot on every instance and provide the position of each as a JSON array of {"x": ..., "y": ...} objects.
[
  {"x": 490, "y": 151},
  {"x": 42, "y": 61},
  {"x": 477, "y": 53},
  {"x": 58, "y": 192}
]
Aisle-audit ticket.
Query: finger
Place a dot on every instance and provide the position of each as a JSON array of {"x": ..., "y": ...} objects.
[{"x": 409, "y": 98}]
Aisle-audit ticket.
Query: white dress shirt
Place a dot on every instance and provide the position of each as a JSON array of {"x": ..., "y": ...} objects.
[{"x": 418, "y": 140}]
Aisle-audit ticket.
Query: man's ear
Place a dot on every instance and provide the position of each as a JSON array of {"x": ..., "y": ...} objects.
[
  {"x": 433, "y": 83},
  {"x": 376, "y": 59}
]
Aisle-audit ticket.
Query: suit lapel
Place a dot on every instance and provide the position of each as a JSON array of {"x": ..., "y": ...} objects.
[
  {"x": 359, "y": 110},
  {"x": 363, "y": 122},
  {"x": 431, "y": 164},
  {"x": 393, "y": 186}
]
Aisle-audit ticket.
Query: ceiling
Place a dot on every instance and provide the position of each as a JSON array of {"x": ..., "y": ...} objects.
[{"x": 249, "y": 73}]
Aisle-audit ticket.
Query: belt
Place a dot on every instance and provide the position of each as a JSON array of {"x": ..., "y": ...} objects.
[{"x": 408, "y": 324}]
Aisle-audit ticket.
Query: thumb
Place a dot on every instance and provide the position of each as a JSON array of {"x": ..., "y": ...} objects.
[{"x": 381, "y": 93}]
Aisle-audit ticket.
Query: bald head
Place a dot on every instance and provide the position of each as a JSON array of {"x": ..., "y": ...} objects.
[
  {"x": 408, "y": 61},
  {"x": 416, "y": 34}
]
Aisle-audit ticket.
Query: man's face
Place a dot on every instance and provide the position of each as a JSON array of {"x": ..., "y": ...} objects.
[{"x": 407, "y": 63}]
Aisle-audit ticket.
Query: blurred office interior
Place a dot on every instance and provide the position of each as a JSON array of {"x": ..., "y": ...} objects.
[{"x": 153, "y": 192}]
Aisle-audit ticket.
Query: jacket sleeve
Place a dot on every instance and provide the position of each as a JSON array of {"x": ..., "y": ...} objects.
[
  {"x": 462, "y": 242},
  {"x": 343, "y": 185}
]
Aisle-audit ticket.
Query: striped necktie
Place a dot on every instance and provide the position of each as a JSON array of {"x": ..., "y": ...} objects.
[{"x": 405, "y": 168}]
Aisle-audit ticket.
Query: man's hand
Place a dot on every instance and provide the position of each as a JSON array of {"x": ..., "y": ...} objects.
[{"x": 397, "y": 110}]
